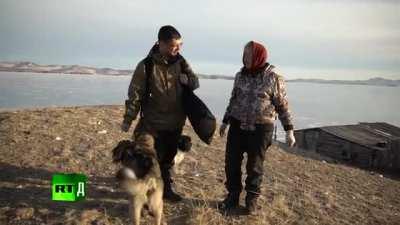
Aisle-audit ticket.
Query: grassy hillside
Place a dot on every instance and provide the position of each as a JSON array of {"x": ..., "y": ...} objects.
[{"x": 299, "y": 188}]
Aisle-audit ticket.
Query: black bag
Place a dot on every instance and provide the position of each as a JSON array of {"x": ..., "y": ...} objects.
[{"x": 200, "y": 117}]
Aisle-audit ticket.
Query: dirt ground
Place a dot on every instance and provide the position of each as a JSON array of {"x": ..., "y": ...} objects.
[{"x": 298, "y": 187}]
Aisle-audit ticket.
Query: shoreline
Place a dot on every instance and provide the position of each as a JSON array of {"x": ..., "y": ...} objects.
[
  {"x": 31, "y": 67},
  {"x": 201, "y": 76},
  {"x": 377, "y": 81},
  {"x": 55, "y": 107}
]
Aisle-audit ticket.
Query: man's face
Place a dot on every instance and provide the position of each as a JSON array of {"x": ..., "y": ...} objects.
[{"x": 171, "y": 47}]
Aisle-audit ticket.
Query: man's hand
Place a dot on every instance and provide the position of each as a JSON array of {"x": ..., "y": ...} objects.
[
  {"x": 290, "y": 140},
  {"x": 126, "y": 123},
  {"x": 184, "y": 79},
  {"x": 222, "y": 129},
  {"x": 125, "y": 126}
]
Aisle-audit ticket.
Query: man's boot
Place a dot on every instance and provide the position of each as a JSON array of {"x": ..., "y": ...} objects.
[
  {"x": 169, "y": 193},
  {"x": 231, "y": 201},
  {"x": 252, "y": 203}
]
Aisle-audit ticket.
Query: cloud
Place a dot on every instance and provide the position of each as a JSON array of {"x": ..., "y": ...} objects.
[{"x": 308, "y": 34}]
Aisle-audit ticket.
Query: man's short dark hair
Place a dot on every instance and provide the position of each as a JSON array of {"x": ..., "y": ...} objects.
[{"x": 167, "y": 33}]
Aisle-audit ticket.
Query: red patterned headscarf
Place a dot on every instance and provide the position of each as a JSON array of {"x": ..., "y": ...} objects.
[{"x": 259, "y": 56}]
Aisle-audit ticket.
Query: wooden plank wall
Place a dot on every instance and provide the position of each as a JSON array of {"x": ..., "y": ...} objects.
[
  {"x": 332, "y": 146},
  {"x": 342, "y": 149}
]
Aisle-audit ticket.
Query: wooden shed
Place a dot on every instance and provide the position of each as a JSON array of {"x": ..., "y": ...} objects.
[{"x": 368, "y": 145}]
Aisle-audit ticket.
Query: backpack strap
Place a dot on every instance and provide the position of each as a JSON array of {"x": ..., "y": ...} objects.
[
  {"x": 148, "y": 69},
  {"x": 184, "y": 65}
]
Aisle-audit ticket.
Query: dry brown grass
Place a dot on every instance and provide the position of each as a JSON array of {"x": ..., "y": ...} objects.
[{"x": 298, "y": 188}]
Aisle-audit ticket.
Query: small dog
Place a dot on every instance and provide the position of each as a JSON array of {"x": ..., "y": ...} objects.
[{"x": 140, "y": 176}]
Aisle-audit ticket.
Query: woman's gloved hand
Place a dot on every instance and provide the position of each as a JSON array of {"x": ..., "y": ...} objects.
[{"x": 290, "y": 139}]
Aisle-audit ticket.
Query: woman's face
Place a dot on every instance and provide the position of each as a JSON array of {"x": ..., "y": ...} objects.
[{"x": 247, "y": 56}]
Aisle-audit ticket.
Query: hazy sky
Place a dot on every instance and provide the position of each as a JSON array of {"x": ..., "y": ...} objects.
[{"x": 340, "y": 39}]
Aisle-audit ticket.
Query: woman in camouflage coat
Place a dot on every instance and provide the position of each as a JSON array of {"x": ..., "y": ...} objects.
[{"x": 258, "y": 96}]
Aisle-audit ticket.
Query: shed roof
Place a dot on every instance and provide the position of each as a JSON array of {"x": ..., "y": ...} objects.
[
  {"x": 367, "y": 134},
  {"x": 384, "y": 127}
]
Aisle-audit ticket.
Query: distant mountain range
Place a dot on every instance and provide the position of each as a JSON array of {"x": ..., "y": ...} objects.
[
  {"x": 77, "y": 69},
  {"x": 67, "y": 69},
  {"x": 376, "y": 81}
]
